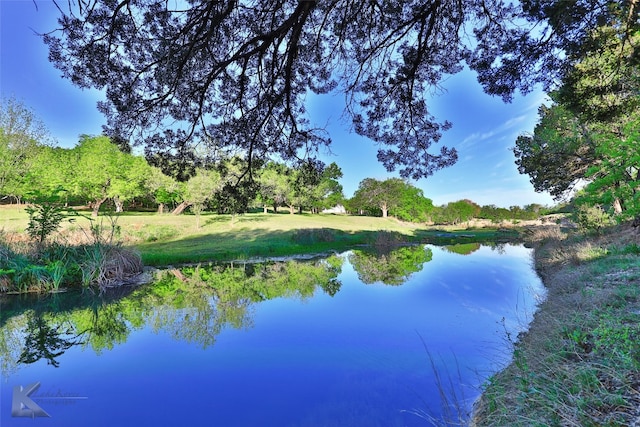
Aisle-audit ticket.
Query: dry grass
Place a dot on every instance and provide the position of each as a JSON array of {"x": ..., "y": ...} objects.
[
  {"x": 114, "y": 266},
  {"x": 541, "y": 234},
  {"x": 579, "y": 363}
]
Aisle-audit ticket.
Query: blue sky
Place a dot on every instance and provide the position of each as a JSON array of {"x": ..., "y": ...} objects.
[{"x": 484, "y": 128}]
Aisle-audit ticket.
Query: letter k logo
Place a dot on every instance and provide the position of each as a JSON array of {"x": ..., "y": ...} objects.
[{"x": 23, "y": 406}]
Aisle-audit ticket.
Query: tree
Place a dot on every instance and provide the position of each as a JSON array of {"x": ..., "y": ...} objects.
[
  {"x": 590, "y": 133},
  {"x": 235, "y": 74},
  {"x": 558, "y": 154},
  {"x": 382, "y": 195},
  {"x": 311, "y": 183},
  {"x": 273, "y": 186},
  {"x": 457, "y": 212},
  {"x": 132, "y": 182},
  {"x": 328, "y": 192},
  {"x": 101, "y": 171},
  {"x": 96, "y": 165},
  {"x": 294, "y": 196},
  {"x": 200, "y": 189},
  {"x": 603, "y": 90},
  {"x": 494, "y": 213},
  {"x": 164, "y": 189},
  {"x": 413, "y": 206},
  {"x": 22, "y": 135},
  {"x": 236, "y": 191},
  {"x": 52, "y": 169},
  {"x": 392, "y": 195},
  {"x": 615, "y": 179}
]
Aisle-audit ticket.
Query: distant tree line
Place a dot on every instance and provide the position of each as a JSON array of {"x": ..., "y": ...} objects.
[
  {"x": 100, "y": 170},
  {"x": 398, "y": 198}
]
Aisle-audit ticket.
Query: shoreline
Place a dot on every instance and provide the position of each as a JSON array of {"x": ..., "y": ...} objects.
[{"x": 578, "y": 363}]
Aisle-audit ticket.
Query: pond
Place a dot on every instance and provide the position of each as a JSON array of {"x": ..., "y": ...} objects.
[{"x": 393, "y": 338}]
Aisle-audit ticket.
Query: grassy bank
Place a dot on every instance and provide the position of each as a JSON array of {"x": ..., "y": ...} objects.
[{"x": 579, "y": 363}]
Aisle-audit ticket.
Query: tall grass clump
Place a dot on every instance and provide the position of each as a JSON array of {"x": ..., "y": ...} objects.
[
  {"x": 107, "y": 265},
  {"x": 50, "y": 262}
]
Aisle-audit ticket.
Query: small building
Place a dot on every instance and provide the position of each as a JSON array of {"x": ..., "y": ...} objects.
[{"x": 337, "y": 209}]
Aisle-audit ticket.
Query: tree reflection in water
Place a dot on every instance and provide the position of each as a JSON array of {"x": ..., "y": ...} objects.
[
  {"x": 391, "y": 267},
  {"x": 47, "y": 340},
  {"x": 194, "y": 306},
  {"x": 463, "y": 248}
]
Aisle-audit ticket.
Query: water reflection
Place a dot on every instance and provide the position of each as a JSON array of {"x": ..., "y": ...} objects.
[
  {"x": 277, "y": 343},
  {"x": 463, "y": 248},
  {"x": 194, "y": 305},
  {"x": 391, "y": 267},
  {"x": 47, "y": 340}
]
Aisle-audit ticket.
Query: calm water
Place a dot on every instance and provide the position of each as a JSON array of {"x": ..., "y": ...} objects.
[{"x": 357, "y": 339}]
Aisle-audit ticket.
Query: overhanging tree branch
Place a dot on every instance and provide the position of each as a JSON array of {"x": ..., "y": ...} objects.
[{"x": 237, "y": 72}]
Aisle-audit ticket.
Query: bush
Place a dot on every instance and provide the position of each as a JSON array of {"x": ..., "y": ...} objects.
[
  {"x": 592, "y": 219},
  {"x": 385, "y": 239},
  {"x": 44, "y": 220}
]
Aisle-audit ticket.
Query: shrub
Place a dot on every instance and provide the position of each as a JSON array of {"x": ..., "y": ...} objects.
[
  {"x": 385, "y": 239},
  {"x": 592, "y": 218},
  {"x": 309, "y": 236},
  {"x": 44, "y": 220}
]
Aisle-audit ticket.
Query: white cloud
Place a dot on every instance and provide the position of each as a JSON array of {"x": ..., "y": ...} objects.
[{"x": 497, "y": 133}]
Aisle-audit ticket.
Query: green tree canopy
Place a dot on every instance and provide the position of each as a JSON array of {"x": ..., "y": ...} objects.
[
  {"x": 53, "y": 168},
  {"x": 383, "y": 195},
  {"x": 392, "y": 196},
  {"x": 101, "y": 171},
  {"x": 163, "y": 189},
  {"x": 22, "y": 135},
  {"x": 132, "y": 182},
  {"x": 457, "y": 212},
  {"x": 413, "y": 206},
  {"x": 273, "y": 185},
  {"x": 590, "y": 133},
  {"x": 558, "y": 154}
]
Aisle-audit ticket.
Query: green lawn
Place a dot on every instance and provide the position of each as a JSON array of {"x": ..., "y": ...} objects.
[{"x": 169, "y": 239}]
